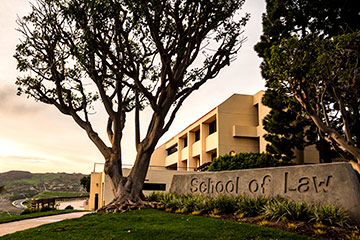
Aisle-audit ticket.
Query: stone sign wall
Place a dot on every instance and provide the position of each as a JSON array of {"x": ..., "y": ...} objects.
[{"x": 336, "y": 183}]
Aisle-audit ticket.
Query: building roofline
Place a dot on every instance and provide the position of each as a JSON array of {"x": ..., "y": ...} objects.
[{"x": 208, "y": 113}]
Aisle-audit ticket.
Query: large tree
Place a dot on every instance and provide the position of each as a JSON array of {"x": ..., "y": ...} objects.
[
  {"x": 128, "y": 54},
  {"x": 287, "y": 121},
  {"x": 323, "y": 75}
]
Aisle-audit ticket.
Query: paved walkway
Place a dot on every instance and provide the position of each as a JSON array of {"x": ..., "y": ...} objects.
[{"x": 7, "y": 228}]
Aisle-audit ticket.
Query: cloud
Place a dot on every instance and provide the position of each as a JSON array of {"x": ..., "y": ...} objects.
[
  {"x": 12, "y": 104},
  {"x": 33, "y": 159}
]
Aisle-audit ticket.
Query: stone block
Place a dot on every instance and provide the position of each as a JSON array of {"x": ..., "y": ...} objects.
[{"x": 335, "y": 183}]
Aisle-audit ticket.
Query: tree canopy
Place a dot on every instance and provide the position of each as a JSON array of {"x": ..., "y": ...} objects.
[
  {"x": 128, "y": 55},
  {"x": 323, "y": 76},
  {"x": 287, "y": 125}
]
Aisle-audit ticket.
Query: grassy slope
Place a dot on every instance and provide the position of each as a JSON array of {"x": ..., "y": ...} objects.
[
  {"x": 59, "y": 194},
  {"x": 150, "y": 224}
]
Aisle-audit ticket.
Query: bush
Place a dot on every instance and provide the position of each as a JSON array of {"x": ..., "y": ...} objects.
[
  {"x": 271, "y": 208},
  {"x": 26, "y": 211},
  {"x": 251, "y": 207},
  {"x": 278, "y": 209},
  {"x": 46, "y": 209},
  {"x": 329, "y": 215},
  {"x": 69, "y": 207},
  {"x": 245, "y": 161}
]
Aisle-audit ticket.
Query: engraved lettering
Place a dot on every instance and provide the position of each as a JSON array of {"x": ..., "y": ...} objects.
[
  {"x": 304, "y": 184},
  {"x": 217, "y": 187},
  {"x": 237, "y": 184},
  {"x": 322, "y": 184},
  {"x": 208, "y": 188},
  {"x": 231, "y": 188},
  {"x": 253, "y": 186},
  {"x": 202, "y": 187},
  {"x": 194, "y": 183},
  {"x": 285, "y": 182},
  {"x": 266, "y": 179}
]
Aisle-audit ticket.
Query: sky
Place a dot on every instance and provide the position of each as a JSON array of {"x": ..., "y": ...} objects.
[{"x": 36, "y": 137}]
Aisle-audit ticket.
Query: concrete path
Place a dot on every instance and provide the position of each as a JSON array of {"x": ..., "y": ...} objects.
[
  {"x": 76, "y": 204},
  {"x": 7, "y": 228}
]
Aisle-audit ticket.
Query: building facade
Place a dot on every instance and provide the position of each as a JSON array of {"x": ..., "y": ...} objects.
[{"x": 234, "y": 126}]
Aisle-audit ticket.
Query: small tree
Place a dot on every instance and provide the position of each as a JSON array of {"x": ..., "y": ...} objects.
[
  {"x": 85, "y": 182},
  {"x": 323, "y": 76},
  {"x": 2, "y": 189},
  {"x": 134, "y": 53}
]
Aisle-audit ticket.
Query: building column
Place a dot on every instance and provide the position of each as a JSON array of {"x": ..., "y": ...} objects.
[
  {"x": 191, "y": 163},
  {"x": 204, "y": 133}
]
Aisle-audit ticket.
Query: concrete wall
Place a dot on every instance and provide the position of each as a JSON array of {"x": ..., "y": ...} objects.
[{"x": 336, "y": 183}]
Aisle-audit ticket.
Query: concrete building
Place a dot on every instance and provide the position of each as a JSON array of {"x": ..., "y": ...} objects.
[{"x": 232, "y": 127}]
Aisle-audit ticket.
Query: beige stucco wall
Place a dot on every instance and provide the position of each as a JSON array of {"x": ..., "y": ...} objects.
[
  {"x": 238, "y": 112},
  {"x": 95, "y": 188},
  {"x": 195, "y": 153},
  {"x": 239, "y": 121}
]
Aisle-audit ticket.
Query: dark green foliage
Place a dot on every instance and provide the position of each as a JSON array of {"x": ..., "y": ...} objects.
[
  {"x": 251, "y": 206},
  {"x": 46, "y": 209},
  {"x": 279, "y": 208},
  {"x": 26, "y": 211},
  {"x": 329, "y": 215},
  {"x": 245, "y": 161},
  {"x": 69, "y": 207},
  {"x": 272, "y": 208},
  {"x": 286, "y": 123},
  {"x": 326, "y": 82},
  {"x": 85, "y": 182}
]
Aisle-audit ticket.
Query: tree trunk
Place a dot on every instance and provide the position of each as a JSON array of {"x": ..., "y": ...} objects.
[
  {"x": 332, "y": 133},
  {"x": 128, "y": 190}
]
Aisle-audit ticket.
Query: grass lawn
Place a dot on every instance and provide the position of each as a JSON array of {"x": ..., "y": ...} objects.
[
  {"x": 5, "y": 219},
  {"x": 150, "y": 224},
  {"x": 59, "y": 194}
]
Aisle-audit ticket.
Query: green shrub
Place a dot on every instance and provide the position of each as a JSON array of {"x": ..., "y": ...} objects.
[
  {"x": 251, "y": 206},
  {"x": 245, "y": 161},
  {"x": 225, "y": 204},
  {"x": 69, "y": 207},
  {"x": 46, "y": 208},
  {"x": 275, "y": 208},
  {"x": 329, "y": 214},
  {"x": 26, "y": 211},
  {"x": 278, "y": 208}
]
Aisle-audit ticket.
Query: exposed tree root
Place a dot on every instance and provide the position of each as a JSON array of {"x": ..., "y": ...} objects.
[{"x": 125, "y": 205}]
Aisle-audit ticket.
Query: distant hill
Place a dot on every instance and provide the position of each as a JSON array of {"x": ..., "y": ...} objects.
[
  {"x": 14, "y": 175},
  {"x": 22, "y": 184}
]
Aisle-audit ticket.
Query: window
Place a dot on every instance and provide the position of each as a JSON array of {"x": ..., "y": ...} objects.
[
  {"x": 213, "y": 156},
  {"x": 212, "y": 127},
  {"x": 197, "y": 135},
  {"x": 171, "y": 150},
  {"x": 185, "y": 142}
]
